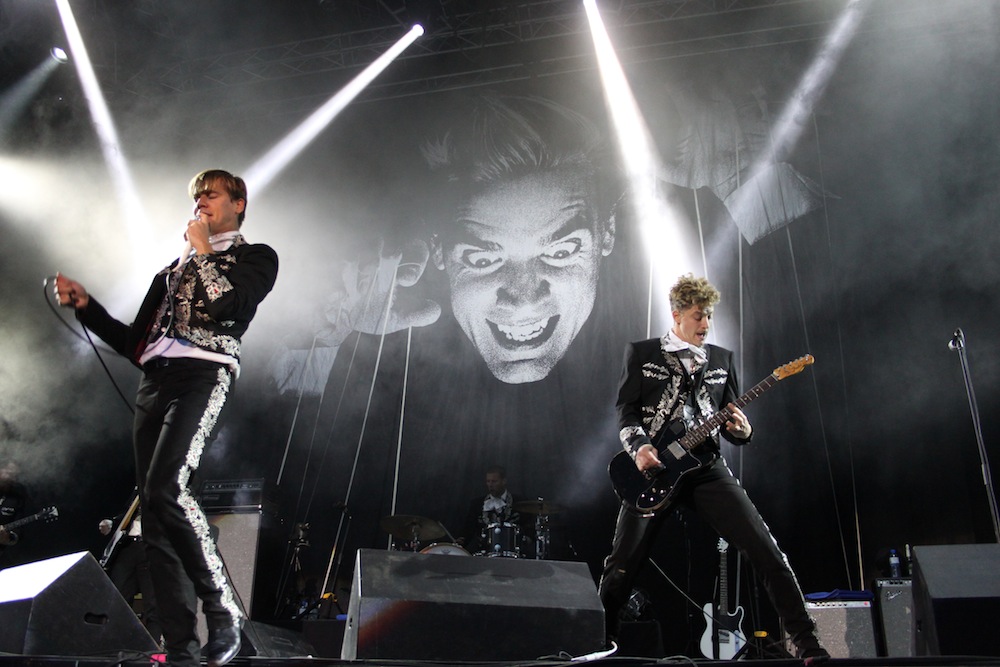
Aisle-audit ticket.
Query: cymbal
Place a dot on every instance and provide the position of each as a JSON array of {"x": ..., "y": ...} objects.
[
  {"x": 408, "y": 527},
  {"x": 537, "y": 507}
]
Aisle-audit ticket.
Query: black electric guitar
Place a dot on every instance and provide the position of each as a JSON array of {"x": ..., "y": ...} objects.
[
  {"x": 112, "y": 547},
  {"x": 724, "y": 630},
  {"x": 653, "y": 489},
  {"x": 45, "y": 514}
]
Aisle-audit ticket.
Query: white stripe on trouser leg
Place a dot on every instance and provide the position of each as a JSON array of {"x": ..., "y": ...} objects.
[{"x": 195, "y": 516}]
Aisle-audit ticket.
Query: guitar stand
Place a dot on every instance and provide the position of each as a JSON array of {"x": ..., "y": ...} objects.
[{"x": 759, "y": 646}]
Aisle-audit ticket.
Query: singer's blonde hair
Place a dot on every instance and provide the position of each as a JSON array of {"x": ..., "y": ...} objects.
[
  {"x": 690, "y": 291},
  {"x": 219, "y": 178}
]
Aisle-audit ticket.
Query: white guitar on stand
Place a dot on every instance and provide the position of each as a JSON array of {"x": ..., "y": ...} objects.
[{"x": 723, "y": 641}]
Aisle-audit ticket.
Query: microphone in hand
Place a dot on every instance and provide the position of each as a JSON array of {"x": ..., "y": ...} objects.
[{"x": 185, "y": 255}]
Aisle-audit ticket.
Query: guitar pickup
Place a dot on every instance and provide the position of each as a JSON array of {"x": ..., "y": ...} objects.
[{"x": 677, "y": 450}]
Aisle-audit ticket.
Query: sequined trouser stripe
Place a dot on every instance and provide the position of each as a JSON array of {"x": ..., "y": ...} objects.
[{"x": 177, "y": 412}]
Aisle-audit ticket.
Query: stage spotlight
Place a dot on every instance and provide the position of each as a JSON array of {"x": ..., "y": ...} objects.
[
  {"x": 16, "y": 99},
  {"x": 59, "y": 55},
  {"x": 267, "y": 167},
  {"x": 665, "y": 231},
  {"x": 128, "y": 198}
]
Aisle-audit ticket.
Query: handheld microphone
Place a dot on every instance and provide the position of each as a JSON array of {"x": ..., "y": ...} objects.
[
  {"x": 185, "y": 255},
  {"x": 957, "y": 341}
]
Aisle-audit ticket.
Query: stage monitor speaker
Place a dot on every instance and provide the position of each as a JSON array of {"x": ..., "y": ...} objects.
[
  {"x": 413, "y": 606},
  {"x": 66, "y": 606},
  {"x": 956, "y": 599},
  {"x": 845, "y": 627},
  {"x": 249, "y": 545},
  {"x": 895, "y": 612},
  {"x": 272, "y": 641}
]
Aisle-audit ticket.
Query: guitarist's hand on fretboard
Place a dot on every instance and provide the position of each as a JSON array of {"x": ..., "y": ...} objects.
[
  {"x": 738, "y": 424},
  {"x": 7, "y": 538}
]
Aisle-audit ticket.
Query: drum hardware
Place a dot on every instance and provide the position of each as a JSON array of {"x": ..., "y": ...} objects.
[
  {"x": 445, "y": 549},
  {"x": 540, "y": 506},
  {"x": 412, "y": 530},
  {"x": 542, "y": 509}
]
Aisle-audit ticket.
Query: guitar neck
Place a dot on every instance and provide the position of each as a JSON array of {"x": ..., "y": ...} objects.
[
  {"x": 702, "y": 431},
  {"x": 723, "y": 584},
  {"x": 129, "y": 513},
  {"x": 23, "y": 520}
]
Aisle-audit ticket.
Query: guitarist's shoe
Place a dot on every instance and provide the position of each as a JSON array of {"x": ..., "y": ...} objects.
[
  {"x": 811, "y": 652},
  {"x": 223, "y": 645}
]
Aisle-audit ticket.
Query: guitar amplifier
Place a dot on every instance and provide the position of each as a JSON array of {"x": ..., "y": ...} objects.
[
  {"x": 845, "y": 627},
  {"x": 232, "y": 495},
  {"x": 895, "y": 611}
]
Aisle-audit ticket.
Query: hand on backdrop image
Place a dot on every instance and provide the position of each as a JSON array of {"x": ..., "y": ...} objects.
[
  {"x": 370, "y": 295},
  {"x": 366, "y": 295}
]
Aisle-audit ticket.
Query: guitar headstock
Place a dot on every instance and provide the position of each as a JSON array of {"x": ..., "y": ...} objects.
[
  {"x": 723, "y": 545},
  {"x": 50, "y": 513},
  {"x": 793, "y": 367}
]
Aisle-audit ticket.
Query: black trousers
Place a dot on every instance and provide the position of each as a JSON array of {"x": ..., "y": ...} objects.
[
  {"x": 720, "y": 499},
  {"x": 177, "y": 414}
]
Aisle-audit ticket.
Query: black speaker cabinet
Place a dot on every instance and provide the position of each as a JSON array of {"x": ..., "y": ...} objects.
[
  {"x": 272, "y": 641},
  {"x": 894, "y": 599},
  {"x": 845, "y": 627},
  {"x": 956, "y": 599},
  {"x": 434, "y": 607},
  {"x": 66, "y": 606},
  {"x": 250, "y": 546}
]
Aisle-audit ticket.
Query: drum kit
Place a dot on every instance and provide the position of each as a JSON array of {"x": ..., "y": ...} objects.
[{"x": 501, "y": 539}]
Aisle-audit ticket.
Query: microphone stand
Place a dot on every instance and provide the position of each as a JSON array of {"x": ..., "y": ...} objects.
[{"x": 958, "y": 344}]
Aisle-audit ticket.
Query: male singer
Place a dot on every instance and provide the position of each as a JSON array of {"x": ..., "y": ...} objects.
[{"x": 186, "y": 338}]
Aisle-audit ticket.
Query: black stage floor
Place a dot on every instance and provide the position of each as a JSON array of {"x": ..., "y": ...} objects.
[{"x": 133, "y": 660}]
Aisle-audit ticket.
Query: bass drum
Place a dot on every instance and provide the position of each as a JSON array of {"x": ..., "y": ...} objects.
[{"x": 445, "y": 549}]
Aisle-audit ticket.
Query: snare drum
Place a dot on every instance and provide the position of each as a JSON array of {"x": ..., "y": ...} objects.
[
  {"x": 504, "y": 540},
  {"x": 445, "y": 549}
]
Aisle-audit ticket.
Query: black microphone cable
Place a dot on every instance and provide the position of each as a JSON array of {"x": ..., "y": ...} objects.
[{"x": 86, "y": 337}]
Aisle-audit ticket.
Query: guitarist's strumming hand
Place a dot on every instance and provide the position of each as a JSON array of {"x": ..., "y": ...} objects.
[
  {"x": 738, "y": 424},
  {"x": 646, "y": 458}
]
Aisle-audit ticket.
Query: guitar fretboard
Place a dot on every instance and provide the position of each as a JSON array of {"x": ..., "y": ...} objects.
[
  {"x": 49, "y": 511},
  {"x": 699, "y": 433}
]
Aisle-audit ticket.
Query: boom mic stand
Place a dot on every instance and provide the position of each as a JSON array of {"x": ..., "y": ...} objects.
[{"x": 957, "y": 344}]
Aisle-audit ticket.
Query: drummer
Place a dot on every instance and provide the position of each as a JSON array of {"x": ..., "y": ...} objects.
[{"x": 496, "y": 508}]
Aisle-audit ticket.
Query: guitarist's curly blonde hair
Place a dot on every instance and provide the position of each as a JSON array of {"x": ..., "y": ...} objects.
[{"x": 690, "y": 291}]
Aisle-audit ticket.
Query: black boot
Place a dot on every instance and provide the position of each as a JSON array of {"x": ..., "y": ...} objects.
[
  {"x": 807, "y": 647},
  {"x": 223, "y": 645}
]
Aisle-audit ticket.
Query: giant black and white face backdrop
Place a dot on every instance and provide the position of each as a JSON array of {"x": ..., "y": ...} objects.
[{"x": 523, "y": 257}]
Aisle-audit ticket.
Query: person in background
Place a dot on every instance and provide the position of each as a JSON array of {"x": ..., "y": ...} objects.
[
  {"x": 13, "y": 501},
  {"x": 128, "y": 568},
  {"x": 496, "y": 509}
]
